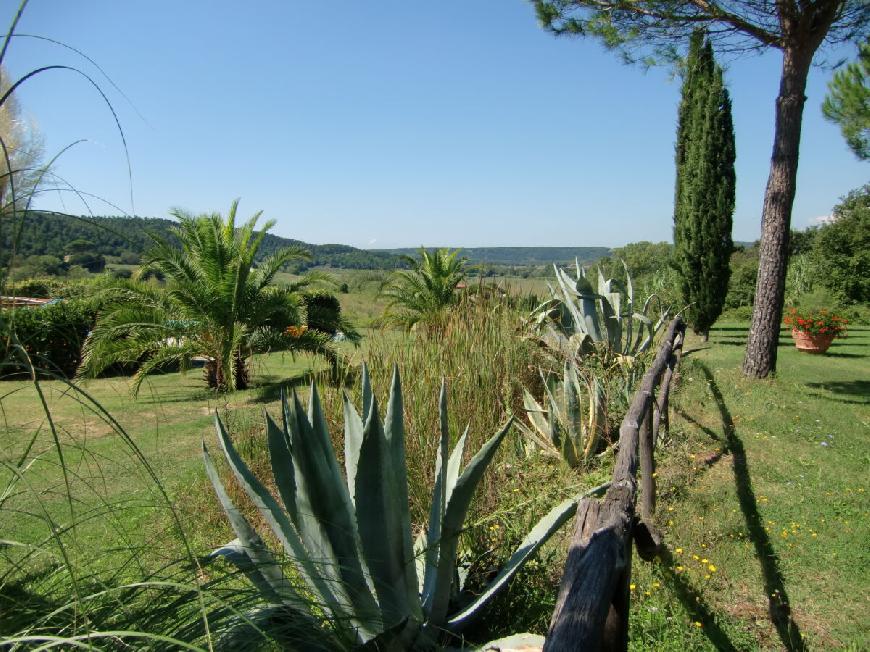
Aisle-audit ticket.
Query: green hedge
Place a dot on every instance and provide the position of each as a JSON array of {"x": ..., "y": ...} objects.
[{"x": 52, "y": 335}]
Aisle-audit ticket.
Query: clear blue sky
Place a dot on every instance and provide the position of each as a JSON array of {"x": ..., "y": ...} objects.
[{"x": 392, "y": 123}]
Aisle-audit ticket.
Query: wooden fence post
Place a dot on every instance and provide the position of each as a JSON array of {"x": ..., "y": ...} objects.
[
  {"x": 647, "y": 466},
  {"x": 661, "y": 417},
  {"x": 593, "y": 603}
]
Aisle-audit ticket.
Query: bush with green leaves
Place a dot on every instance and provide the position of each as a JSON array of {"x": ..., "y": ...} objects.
[
  {"x": 841, "y": 251},
  {"x": 323, "y": 313},
  {"x": 360, "y": 577},
  {"x": 50, "y": 335}
]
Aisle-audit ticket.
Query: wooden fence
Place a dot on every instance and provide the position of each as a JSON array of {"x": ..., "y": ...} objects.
[{"x": 592, "y": 607}]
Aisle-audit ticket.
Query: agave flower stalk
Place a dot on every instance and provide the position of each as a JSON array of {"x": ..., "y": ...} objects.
[{"x": 349, "y": 538}]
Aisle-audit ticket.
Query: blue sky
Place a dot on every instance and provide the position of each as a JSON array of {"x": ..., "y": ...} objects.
[{"x": 390, "y": 123}]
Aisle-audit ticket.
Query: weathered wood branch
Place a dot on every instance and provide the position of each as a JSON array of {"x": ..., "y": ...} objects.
[
  {"x": 647, "y": 468},
  {"x": 593, "y": 603}
]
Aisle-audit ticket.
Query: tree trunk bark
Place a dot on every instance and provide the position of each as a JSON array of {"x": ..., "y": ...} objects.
[
  {"x": 210, "y": 374},
  {"x": 241, "y": 370},
  {"x": 763, "y": 339}
]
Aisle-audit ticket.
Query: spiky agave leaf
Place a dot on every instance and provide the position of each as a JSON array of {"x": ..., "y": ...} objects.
[
  {"x": 437, "y": 507},
  {"x": 326, "y": 518},
  {"x": 537, "y": 537},
  {"x": 351, "y": 543},
  {"x": 454, "y": 517},
  {"x": 566, "y": 427},
  {"x": 329, "y": 593}
]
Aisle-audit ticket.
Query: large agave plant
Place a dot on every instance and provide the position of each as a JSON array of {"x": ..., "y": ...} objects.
[
  {"x": 579, "y": 320},
  {"x": 349, "y": 538},
  {"x": 565, "y": 426}
]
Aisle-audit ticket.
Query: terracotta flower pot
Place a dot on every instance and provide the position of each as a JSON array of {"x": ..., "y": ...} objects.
[{"x": 811, "y": 343}]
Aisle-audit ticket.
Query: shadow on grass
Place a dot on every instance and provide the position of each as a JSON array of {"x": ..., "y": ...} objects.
[
  {"x": 695, "y": 604},
  {"x": 271, "y": 391},
  {"x": 20, "y": 607},
  {"x": 854, "y": 388},
  {"x": 836, "y": 354},
  {"x": 774, "y": 582},
  {"x": 728, "y": 329},
  {"x": 712, "y": 434}
]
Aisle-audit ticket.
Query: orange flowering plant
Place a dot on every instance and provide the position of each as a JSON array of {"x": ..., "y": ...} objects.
[
  {"x": 296, "y": 331},
  {"x": 816, "y": 322}
]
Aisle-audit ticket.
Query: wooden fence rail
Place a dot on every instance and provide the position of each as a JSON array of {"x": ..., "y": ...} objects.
[{"x": 592, "y": 606}]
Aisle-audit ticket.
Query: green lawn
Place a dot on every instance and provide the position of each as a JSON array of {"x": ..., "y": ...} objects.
[
  {"x": 764, "y": 509},
  {"x": 106, "y": 490}
]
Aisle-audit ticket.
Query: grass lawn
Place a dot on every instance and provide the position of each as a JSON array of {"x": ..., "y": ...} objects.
[
  {"x": 764, "y": 503},
  {"x": 106, "y": 491}
]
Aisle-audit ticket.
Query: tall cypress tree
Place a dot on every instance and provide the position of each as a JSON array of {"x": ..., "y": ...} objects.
[{"x": 704, "y": 195}]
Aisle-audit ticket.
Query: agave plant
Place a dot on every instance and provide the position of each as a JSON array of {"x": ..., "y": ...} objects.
[
  {"x": 349, "y": 538},
  {"x": 564, "y": 427},
  {"x": 579, "y": 320}
]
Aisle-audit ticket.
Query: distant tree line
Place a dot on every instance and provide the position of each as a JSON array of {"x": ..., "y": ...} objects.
[
  {"x": 126, "y": 238},
  {"x": 828, "y": 266}
]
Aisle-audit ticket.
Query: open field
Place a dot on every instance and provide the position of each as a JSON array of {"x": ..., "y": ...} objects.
[
  {"x": 762, "y": 484},
  {"x": 365, "y": 304}
]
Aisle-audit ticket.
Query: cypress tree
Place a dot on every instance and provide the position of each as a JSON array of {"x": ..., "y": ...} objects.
[{"x": 704, "y": 195}]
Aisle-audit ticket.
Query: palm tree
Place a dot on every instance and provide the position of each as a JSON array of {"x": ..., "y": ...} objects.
[
  {"x": 424, "y": 291},
  {"x": 217, "y": 304}
]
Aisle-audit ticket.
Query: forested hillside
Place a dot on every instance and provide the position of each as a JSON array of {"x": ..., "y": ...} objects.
[
  {"x": 47, "y": 234},
  {"x": 127, "y": 238}
]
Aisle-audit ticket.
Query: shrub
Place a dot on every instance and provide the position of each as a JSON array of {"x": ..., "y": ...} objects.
[
  {"x": 741, "y": 285},
  {"x": 94, "y": 263},
  {"x": 41, "y": 288},
  {"x": 52, "y": 337},
  {"x": 323, "y": 311}
]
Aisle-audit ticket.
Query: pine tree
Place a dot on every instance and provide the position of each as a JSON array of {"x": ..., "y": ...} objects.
[
  {"x": 848, "y": 103},
  {"x": 704, "y": 195}
]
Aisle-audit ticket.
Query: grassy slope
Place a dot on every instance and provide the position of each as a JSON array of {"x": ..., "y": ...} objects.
[{"x": 768, "y": 482}]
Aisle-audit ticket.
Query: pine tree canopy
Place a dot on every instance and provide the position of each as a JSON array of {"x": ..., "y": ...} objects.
[{"x": 848, "y": 103}]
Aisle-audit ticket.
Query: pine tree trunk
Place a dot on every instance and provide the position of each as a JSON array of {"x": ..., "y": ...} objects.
[{"x": 760, "y": 357}]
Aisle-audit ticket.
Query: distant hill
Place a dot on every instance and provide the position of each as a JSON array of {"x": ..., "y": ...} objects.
[
  {"x": 520, "y": 255},
  {"x": 50, "y": 234}
]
